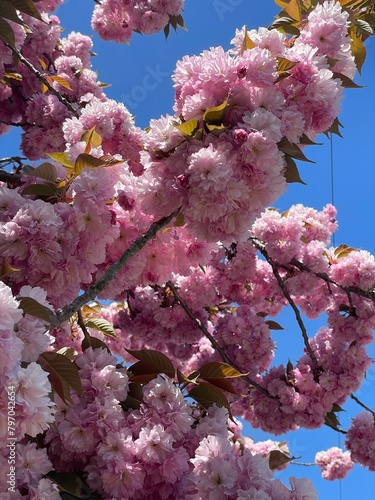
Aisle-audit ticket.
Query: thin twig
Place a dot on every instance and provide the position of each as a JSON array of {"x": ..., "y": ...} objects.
[
  {"x": 362, "y": 404},
  {"x": 214, "y": 343},
  {"x": 90, "y": 294},
  {"x": 347, "y": 289},
  {"x": 20, "y": 124},
  {"x": 42, "y": 78},
  {"x": 261, "y": 247}
]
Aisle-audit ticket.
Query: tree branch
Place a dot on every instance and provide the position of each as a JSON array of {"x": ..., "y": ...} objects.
[
  {"x": 362, "y": 404},
  {"x": 67, "y": 311},
  {"x": 214, "y": 343},
  {"x": 14, "y": 179},
  {"x": 262, "y": 249},
  {"x": 41, "y": 77},
  {"x": 20, "y": 124}
]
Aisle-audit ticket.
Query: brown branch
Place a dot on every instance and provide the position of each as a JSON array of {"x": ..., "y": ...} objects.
[
  {"x": 262, "y": 249},
  {"x": 214, "y": 343},
  {"x": 42, "y": 78},
  {"x": 362, "y": 404},
  {"x": 20, "y": 124},
  {"x": 347, "y": 289},
  {"x": 14, "y": 179},
  {"x": 90, "y": 294}
]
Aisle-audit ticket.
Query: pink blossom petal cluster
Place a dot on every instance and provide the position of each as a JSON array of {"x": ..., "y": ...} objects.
[
  {"x": 118, "y": 19},
  {"x": 334, "y": 463},
  {"x": 360, "y": 440}
]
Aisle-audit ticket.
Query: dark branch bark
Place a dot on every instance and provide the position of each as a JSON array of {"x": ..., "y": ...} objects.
[
  {"x": 262, "y": 249},
  {"x": 214, "y": 344},
  {"x": 41, "y": 77},
  {"x": 111, "y": 273}
]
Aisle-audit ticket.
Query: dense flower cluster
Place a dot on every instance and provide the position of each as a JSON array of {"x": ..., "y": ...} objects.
[
  {"x": 360, "y": 440},
  {"x": 203, "y": 290},
  {"x": 335, "y": 463},
  {"x": 118, "y": 19}
]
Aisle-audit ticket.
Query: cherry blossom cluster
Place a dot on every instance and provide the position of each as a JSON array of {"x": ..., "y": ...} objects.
[
  {"x": 118, "y": 19},
  {"x": 360, "y": 440},
  {"x": 300, "y": 395},
  {"x": 164, "y": 449},
  {"x": 204, "y": 289},
  {"x": 225, "y": 162},
  {"x": 335, "y": 463}
]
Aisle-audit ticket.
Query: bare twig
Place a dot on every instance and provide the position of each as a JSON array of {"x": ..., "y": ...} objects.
[
  {"x": 261, "y": 247},
  {"x": 12, "y": 159},
  {"x": 214, "y": 343},
  {"x": 113, "y": 270},
  {"x": 20, "y": 124},
  {"x": 362, "y": 404},
  {"x": 42, "y": 78}
]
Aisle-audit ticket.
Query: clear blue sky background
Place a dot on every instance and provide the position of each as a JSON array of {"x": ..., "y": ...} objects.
[{"x": 131, "y": 72}]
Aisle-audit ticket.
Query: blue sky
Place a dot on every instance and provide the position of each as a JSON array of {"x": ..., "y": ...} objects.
[{"x": 139, "y": 75}]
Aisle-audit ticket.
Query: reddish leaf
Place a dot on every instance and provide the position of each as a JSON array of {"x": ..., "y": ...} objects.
[{"x": 63, "y": 374}]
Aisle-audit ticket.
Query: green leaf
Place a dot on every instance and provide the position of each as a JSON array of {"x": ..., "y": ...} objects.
[
  {"x": 63, "y": 159},
  {"x": 277, "y": 458},
  {"x": 332, "y": 421},
  {"x": 364, "y": 27},
  {"x": 92, "y": 137},
  {"x": 94, "y": 343},
  {"x": 61, "y": 81},
  {"x": 346, "y": 82},
  {"x": 134, "y": 398},
  {"x": 215, "y": 369},
  {"x": 68, "y": 352},
  {"x": 179, "y": 220},
  {"x": 216, "y": 129},
  {"x": 151, "y": 363},
  {"x": 273, "y": 325},
  {"x": 306, "y": 141},
  {"x": 45, "y": 171},
  {"x": 343, "y": 251},
  {"x": 247, "y": 43},
  {"x": 6, "y": 33},
  {"x": 207, "y": 395},
  {"x": 284, "y": 64},
  {"x": 27, "y": 7},
  {"x": 70, "y": 482},
  {"x": 292, "y": 150},
  {"x": 284, "y": 25},
  {"x": 182, "y": 379},
  {"x": 86, "y": 160},
  {"x": 215, "y": 115},
  {"x": 34, "y": 308},
  {"x": 358, "y": 50},
  {"x": 6, "y": 268},
  {"x": 63, "y": 374},
  {"x": 291, "y": 173},
  {"x": 8, "y": 11},
  {"x": 293, "y": 9},
  {"x": 334, "y": 128},
  {"x": 39, "y": 190},
  {"x": 189, "y": 128},
  {"x": 101, "y": 325}
]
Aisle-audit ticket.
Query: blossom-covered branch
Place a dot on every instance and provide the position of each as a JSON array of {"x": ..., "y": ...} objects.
[
  {"x": 261, "y": 247},
  {"x": 214, "y": 343},
  {"x": 92, "y": 292}
]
